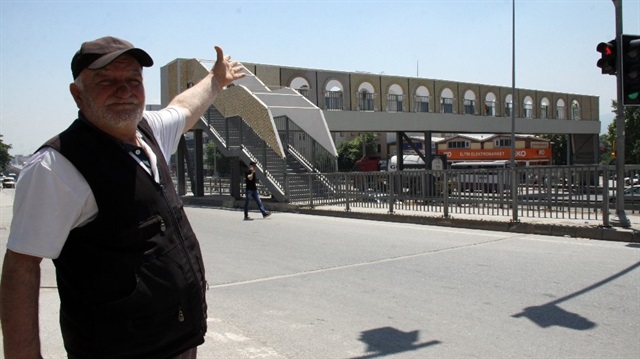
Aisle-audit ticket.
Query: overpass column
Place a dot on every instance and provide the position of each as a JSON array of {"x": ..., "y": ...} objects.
[
  {"x": 399, "y": 151},
  {"x": 180, "y": 166},
  {"x": 199, "y": 154}
]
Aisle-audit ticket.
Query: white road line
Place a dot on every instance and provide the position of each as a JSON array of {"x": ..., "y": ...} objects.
[{"x": 356, "y": 265}]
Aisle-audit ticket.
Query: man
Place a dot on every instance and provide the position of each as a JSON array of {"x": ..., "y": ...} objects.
[
  {"x": 98, "y": 199},
  {"x": 251, "y": 191}
]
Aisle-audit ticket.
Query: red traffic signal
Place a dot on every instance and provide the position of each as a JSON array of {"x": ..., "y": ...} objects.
[{"x": 608, "y": 57}]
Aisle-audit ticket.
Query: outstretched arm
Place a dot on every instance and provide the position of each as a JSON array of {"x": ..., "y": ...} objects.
[
  {"x": 197, "y": 99},
  {"x": 19, "y": 295}
]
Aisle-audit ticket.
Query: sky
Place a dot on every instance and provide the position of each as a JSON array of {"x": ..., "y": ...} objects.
[{"x": 457, "y": 40}]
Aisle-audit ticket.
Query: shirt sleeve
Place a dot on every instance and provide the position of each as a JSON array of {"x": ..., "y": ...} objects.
[
  {"x": 167, "y": 125},
  {"x": 51, "y": 199}
]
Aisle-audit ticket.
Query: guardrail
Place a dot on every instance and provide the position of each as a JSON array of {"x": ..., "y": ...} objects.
[
  {"x": 571, "y": 192},
  {"x": 565, "y": 192}
]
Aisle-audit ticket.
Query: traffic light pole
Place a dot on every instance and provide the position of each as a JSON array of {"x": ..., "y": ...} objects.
[{"x": 620, "y": 130}]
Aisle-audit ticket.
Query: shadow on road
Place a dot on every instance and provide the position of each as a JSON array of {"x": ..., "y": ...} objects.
[
  {"x": 550, "y": 314},
  {"x": 387, "y": 340}
]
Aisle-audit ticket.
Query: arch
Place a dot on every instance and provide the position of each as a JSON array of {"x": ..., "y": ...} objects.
[
  {"x": 334, "y": 85},
  {"x": 446, "y": 93},
  {"x": 490, "y": 104},
  {"x": 544, "y": 108},
  {"x": 470, "y": 95},
  {"x": 527, "y": 105},
  {"x": 469, "y": 102},
  {"x": 301, "y": 85},
  {"x": 422, "y": 99},
  {"x": 446, "y": 100},
  {"x": 396, "y": 90},
  {"x": 366, "y": 87},
  {"x": 422, "y": 91},
  {"x": 333, "y": 96}
]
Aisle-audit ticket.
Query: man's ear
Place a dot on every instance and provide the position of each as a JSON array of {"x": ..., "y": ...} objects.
[{"x": 75, "y": 93}]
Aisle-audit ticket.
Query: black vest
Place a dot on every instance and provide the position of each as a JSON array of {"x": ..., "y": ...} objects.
[{"x": 131, "y": 282}]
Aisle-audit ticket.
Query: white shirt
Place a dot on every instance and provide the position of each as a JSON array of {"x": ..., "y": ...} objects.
[{"x": 52, "y": 197}]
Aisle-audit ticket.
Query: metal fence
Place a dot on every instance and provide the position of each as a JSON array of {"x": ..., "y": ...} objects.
[
  {"x": 564, "y": 192},
  {"x": 567, "y": 192}
]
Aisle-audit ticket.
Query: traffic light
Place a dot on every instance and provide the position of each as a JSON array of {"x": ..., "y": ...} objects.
[
  {"x": 631, "y": 70},
  {"x": 613, "y": 150},
  {"x": 608, "y": 57}
]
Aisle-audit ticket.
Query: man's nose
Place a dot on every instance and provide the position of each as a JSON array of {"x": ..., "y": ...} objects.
[{"x": 123, "y": 88}]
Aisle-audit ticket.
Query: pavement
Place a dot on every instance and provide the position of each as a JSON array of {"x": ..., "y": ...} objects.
[{"x": 589, "y": 227}]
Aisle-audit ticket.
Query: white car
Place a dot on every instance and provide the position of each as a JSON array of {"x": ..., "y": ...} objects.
[
  {"x": 8, "y": 182},
  {"x": 632, "y": 181}
]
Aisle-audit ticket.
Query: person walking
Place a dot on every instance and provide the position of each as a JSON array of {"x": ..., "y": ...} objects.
[
  {"x": 251, "y": 191},
  {"x": 98, "y": 199}
]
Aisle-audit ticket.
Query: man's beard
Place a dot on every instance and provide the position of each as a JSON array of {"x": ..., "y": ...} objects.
[{"x": 112, "y": 119}]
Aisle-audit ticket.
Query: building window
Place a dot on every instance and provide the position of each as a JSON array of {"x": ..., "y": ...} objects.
[
  {"x": 333, "y": 100},
  {"x": 365, "y": 101},
  {"x": 544, "y": 111},
  {"x": 528, "y": 110},
  {"x": 458, "y": 144},
  {"x": 394, "y": 103},
  {"x": 304, "y": 91},
  {"x": 446, "y": 105},
  {"x": 560, "y": 115},
  {"x": 507, "y": 109},
  {"x": 575, "y": 111},
  {"x": 422, "y": 103},
  {"x": 503, "y": 143},
  {"x": 469, "y": 107},
  {"x": 489, "y": 108}
]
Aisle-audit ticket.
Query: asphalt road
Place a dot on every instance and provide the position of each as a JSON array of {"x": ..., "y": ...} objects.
[{"x": 298, "y": 286}]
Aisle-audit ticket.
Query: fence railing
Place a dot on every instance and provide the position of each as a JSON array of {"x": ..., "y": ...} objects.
[
  {"x": 562, "y": 192},
  {"x": 566, "y": 192}
]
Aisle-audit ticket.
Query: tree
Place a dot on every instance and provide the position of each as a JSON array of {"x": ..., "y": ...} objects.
[
  {"x": 222, "y": 163},
  {"x": 604, "y": 149},
  {"x": 631, "y": 133},
  {"x": 5, "y": 158},
  {"x": 351, "y": 151},
  {"x": 559, "y": 148}
]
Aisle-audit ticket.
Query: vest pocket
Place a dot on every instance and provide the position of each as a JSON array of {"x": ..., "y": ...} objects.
[{"x": 163, "y": 308}]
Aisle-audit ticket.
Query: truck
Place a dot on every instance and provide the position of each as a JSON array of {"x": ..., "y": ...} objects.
[
  {"x": 414, "y": 184},
  {"x": 368, "y": 177}
]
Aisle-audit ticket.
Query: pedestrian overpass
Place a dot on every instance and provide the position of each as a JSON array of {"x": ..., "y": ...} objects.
[
  {"x": 275, "y": 127},
  {"x": 287, "y": 131}
]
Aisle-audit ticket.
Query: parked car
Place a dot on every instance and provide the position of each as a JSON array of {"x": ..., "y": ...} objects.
[
  {"x": 634, "y": 180},
  {"x": 8, "y": 182},
  {"x": 631, "y": 195}
]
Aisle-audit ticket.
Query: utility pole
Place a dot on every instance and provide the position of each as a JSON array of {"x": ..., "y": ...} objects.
[
  {"x": 514, "y": 180},
  {"x": 620, "y": 130}
]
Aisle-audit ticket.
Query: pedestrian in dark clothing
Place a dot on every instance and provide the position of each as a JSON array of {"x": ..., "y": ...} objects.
[{"x": 252, "y": 192}]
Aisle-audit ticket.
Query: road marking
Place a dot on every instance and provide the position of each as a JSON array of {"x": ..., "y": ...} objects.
[{"x": 362, "y": 264}]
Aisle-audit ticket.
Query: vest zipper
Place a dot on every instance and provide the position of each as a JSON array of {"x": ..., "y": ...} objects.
[{"x": 184, "y": 249}]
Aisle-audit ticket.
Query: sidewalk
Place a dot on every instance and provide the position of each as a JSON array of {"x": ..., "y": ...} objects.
[{"x": 578, "y": 228}]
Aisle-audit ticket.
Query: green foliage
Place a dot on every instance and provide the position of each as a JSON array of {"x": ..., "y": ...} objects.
[
  {"x": 5, "y": 158},
  {"x": 222, "y": 163},
  {"x": 351, "y": 151},
  {"x": 559, "y": 148},
  {"x": 631, "y": 132}
]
